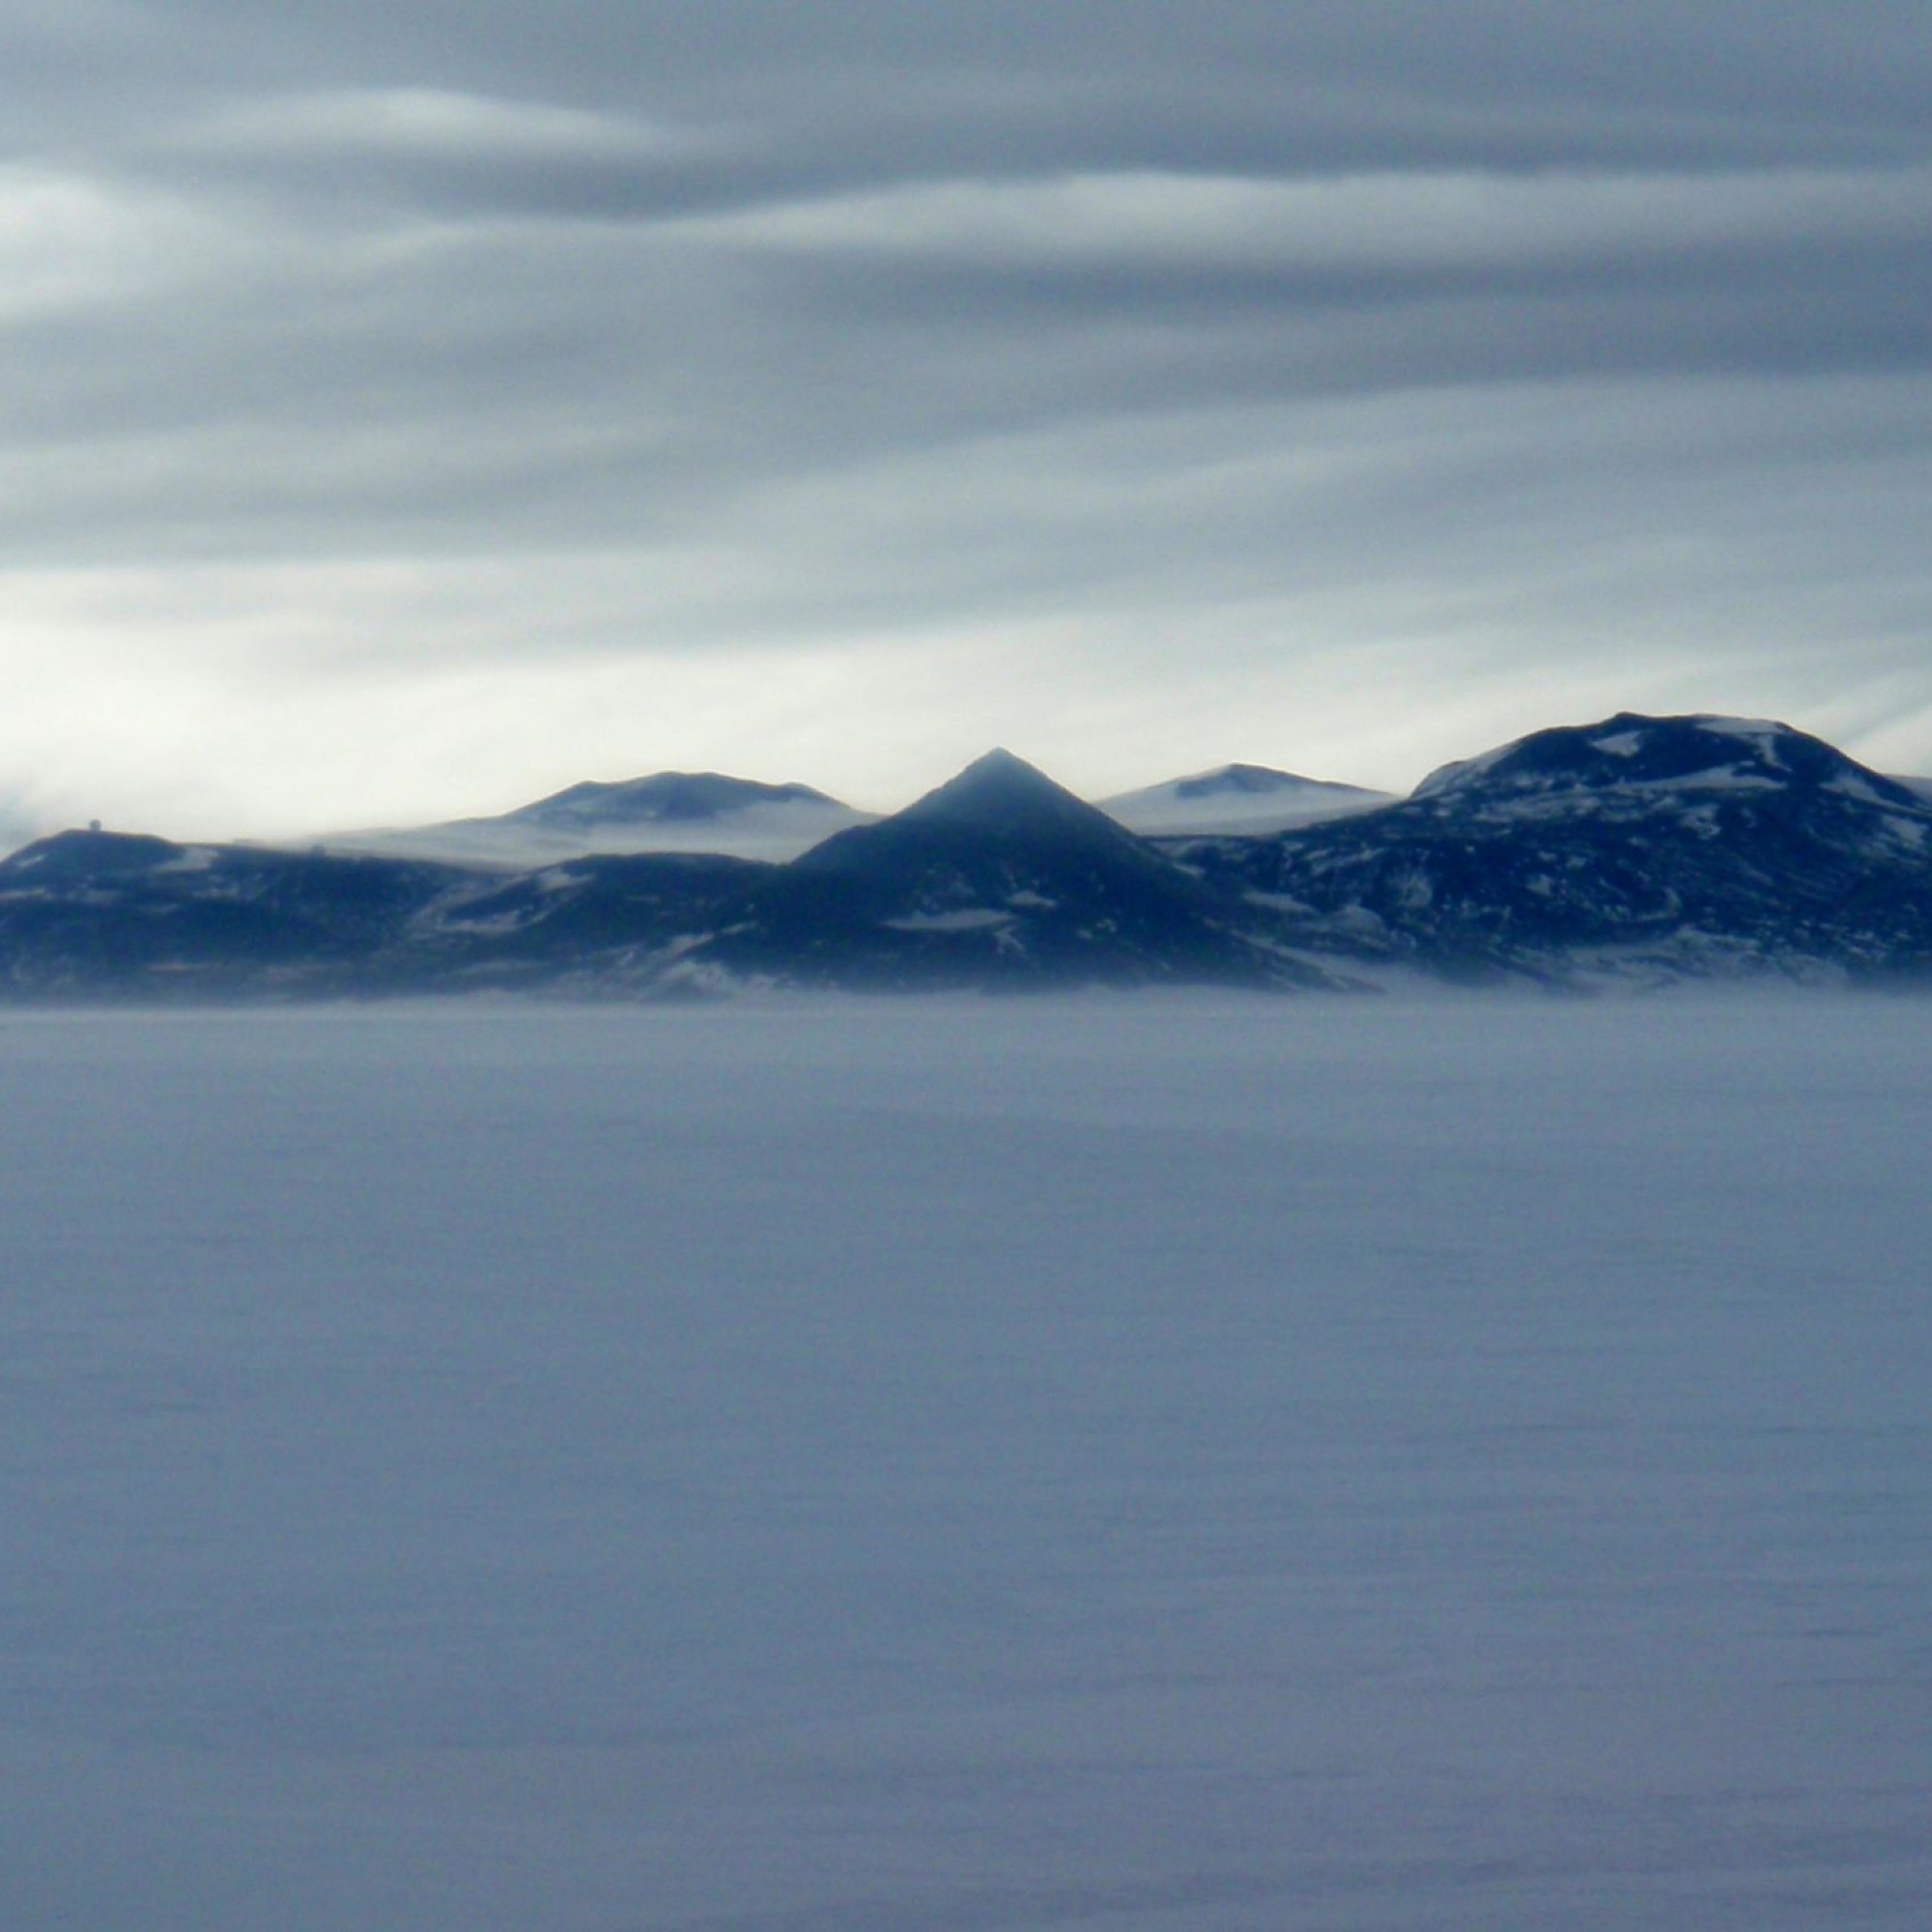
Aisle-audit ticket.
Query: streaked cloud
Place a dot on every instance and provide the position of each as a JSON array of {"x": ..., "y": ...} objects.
[
  {"x": 1141, "y": 390},
  {"x": 1422, "y": 224},
  {"x": 409, "y": 122}
]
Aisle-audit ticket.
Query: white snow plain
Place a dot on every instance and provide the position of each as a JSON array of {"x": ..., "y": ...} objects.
[{"x": 1157, "y": 1465}]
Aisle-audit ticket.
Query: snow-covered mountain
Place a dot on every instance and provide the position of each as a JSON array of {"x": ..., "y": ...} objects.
[
  {"x": 1637, "y": 850},
  {"x": 1238, "y": 799},
  {"x": 1632, "y": 756},
  {"x": 667, "y": 811},
  {"x": 1634, "y": 849},
  {"x": 89, "y": 915},
  {"x": 1002, "y": 868},
  {"x": 998, "y": 878}
]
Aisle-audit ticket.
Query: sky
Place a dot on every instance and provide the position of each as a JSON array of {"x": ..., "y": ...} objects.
[{"x": 413, "y": 409}]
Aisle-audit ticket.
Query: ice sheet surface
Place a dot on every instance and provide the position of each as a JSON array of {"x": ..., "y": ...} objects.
[{"x": 1160, "y": 1466}]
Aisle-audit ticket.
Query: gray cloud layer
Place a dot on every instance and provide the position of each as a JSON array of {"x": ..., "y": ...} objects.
[{"x": 412, "y": 408}]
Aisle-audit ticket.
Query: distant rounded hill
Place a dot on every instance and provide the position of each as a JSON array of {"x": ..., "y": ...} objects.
[
  {"x": 667, "y": 811},
  {"x": 1243, "y": 800},
  {"x": 666, "y": 798},
  {"x": 1635, "y": 850},
  {"x": 1633, "y": 752}
]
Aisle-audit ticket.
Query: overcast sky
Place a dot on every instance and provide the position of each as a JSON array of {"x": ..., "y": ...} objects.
[{"x": 412, "y": 408}]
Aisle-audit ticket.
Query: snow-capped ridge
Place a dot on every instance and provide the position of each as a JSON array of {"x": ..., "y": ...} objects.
[{"x": 1633, "y": 751}]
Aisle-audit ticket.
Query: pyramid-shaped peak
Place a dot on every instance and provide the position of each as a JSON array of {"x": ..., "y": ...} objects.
[
  {"x": 1004, "y": 792},
  {"x": 999, "y": 767}
]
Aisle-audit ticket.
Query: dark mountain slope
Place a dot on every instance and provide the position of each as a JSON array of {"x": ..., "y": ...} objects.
[
  {"x": 1658, "y": 847},
  {"x": 626, "y": 920},
  {"x": 105, "y": 914},
  {"x": 999, "y": 876}
]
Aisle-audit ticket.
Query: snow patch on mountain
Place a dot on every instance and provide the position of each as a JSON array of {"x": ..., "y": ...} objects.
[
  {"x": 1761, "y": 734},
  {"x": 192, "y": 859}
]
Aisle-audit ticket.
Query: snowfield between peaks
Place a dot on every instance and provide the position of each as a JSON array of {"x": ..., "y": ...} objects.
[{"x": 1176, "y": 1464}]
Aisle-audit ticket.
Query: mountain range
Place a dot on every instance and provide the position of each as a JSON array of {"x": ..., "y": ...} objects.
[
  {"x": 706, "y": 812},
  {"x": 668, "y": 811},
  {"x": 1636, "y": 851}
]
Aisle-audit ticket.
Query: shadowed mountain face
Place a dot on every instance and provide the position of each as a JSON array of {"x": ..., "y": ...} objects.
[
  {"x": 106, "y": 915},
  {"x": 1010, "y": 817},
  {"x": 1002, "y": 874},
  {"x": 1637, "y": 850}
]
